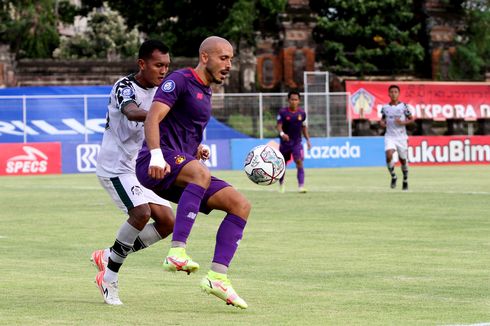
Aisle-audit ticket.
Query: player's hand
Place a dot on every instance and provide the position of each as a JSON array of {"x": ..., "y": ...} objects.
[
  {"x": 399, "y": 122},
  {"x": 308, "y": 144},
  {"x": 203, "y": 152},
  {"x": 158, "y": 168},
  {"x": 285, "y": 137}
]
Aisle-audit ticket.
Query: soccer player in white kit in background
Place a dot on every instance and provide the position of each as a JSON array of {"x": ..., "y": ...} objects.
[{"x": 395, "y": 116}]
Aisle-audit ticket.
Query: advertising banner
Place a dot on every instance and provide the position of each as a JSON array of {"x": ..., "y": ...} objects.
[
  {"x": 431, "y": 100},
  {"x": 325, "y": 152},
  {"x": 30, "y": 159},
  {"x": 82, "y": 157},
  {"x": 442, "y": 150}
]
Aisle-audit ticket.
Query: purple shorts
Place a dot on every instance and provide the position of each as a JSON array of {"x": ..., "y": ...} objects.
[
  {"x": 295, "y": 150},
  {"x": 165, "y": 187}
]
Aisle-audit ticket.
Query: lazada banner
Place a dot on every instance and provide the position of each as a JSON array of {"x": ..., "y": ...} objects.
[
  {"x": 30, "y": 158},
  {"x": 432, "y": 100},
  {"x": 443, "y": 150}
]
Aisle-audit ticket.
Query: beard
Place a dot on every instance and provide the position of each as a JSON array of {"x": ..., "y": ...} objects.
[{"x": 214, "y": 79}]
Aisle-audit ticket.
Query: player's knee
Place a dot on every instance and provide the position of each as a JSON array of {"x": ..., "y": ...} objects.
[
  {"x": 243, "y": 207},
  {"x": 200, "y": 175},
  {"x": 139, "y": 216}
]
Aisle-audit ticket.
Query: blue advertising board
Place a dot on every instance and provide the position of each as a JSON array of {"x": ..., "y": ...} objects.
[
  {"x": 80, "y": 157},
  {"x": 325, "y": 152},
  {"x": 67, "y": 114}
]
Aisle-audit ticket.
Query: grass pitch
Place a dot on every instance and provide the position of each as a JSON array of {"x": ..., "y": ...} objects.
[{"x": 349, "y": 252}]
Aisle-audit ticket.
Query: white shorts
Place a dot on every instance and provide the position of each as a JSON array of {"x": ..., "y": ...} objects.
[
  {"x": 398, "y": 144},
  {"x": 127, "y": 192}
]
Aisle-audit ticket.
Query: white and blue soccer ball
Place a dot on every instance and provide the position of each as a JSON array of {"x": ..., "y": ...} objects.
[{"x": 264, "y": 165}]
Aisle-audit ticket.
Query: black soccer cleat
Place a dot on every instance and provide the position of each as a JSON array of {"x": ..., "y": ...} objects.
[
  {"x": 393, "y": 183},
  {"x": 405, "y": 185}
]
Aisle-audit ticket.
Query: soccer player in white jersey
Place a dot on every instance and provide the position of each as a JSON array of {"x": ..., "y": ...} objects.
[
  {"x": 130, "y": 99},
  {"x": 395, "y": 116}
]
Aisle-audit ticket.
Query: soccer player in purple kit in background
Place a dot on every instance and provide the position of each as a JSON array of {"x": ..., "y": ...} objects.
[
  {"x": 168, "y": 163},
  {"x": 291, "y": 123}
]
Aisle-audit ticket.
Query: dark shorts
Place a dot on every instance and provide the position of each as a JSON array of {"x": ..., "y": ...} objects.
[
  {"x": 165, "y": 187},
  {"x": 295, "y": 150}
]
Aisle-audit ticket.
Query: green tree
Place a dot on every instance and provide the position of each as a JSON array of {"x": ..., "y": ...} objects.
[
  {"x": 369, "y": 36},
  {"x": 183, "y": 24},
  {"x": 107, "y": 36},
  {"x": 29, "y": 27},
  {"x": 472, "y": 58}
]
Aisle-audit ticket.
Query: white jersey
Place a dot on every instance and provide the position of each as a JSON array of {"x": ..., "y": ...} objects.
[
  {"x": 390, "y": 113},
  {"x": 123, "y": 138}
]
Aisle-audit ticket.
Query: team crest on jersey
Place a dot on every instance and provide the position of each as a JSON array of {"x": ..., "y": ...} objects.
[
  {"x": 136, "y": 190},
  {"x": 127, "y": 92},
  {"x": 179, "y": 159},
  {"x": 168, "y": 86}
]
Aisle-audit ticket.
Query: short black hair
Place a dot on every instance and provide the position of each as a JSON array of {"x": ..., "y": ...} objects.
[
  {"x": 147, "y": 48},
  {"x": 393, "y": 86},
  {"x": 292, "y": 93}
]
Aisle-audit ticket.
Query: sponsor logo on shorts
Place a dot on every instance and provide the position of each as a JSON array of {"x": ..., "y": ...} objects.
[
  {"x": 179, "y": 159},
  {"x": 136, "y": 190},
  {"x": 168, "y": 86}
]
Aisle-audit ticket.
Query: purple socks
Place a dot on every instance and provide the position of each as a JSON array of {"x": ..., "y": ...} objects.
[
  {"x": 229, "y": 235},
  {"x": 187, "y": 210}
]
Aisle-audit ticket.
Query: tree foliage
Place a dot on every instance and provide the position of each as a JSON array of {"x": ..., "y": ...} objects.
[
  {"x": 472, "y": 57},
  {"x": 107, "y": 36},
  {"x": 29, "y": 27},
  {"x": 368, "y": 36},
  {"x": 182, "y": 25}
]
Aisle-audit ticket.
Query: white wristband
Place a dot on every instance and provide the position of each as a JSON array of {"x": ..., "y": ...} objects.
[
  {"x": 281, "y": 133},
  {"x": 157, "y": 158}
]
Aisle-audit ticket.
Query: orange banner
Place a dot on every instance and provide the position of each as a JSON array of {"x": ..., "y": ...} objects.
[{"x": 431, "y": 100}]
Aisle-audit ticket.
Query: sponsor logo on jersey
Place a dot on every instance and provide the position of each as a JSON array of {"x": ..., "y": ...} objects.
[
  {"x": 32, "y": 161},
  {"x": 136, "y": 190},
  {"x": 300, "y": 117},
  {"x": 87, "y": 157},
  {"x": 179, "y": 159},
  {"x": 168, "y": 86},
  {"x": 127, "y": 92}
]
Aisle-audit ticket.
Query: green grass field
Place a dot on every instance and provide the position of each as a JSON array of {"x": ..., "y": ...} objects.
[{"x": 349, "y": 252}]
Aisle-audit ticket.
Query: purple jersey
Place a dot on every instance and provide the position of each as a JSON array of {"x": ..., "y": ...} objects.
[
  {"x": 292, "y": 125},
  {"x": 190, "y": 110}
]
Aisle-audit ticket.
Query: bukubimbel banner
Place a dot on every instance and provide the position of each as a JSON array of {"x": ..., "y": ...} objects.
[{"x": 432, "y": 100}]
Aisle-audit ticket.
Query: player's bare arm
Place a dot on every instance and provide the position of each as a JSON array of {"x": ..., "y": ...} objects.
[
  {"x": 134, "y": 113},
  {"x": 306, "y": 134},
  {"x": 158, "y": 168}
]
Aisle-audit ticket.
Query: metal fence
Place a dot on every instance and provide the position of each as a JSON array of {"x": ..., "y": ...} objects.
[{"x": 253, "y": 114}]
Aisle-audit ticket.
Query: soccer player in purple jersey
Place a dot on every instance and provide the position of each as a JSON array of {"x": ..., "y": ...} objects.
[
  {"x": 291, "y": 123},
  {"x": 168, "y": 164}
]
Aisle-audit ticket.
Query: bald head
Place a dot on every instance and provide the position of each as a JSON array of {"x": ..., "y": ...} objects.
[{"x": 212, "y": 43}]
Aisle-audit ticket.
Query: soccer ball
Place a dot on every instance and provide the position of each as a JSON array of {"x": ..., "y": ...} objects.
[{"x": 264, "y": 165}]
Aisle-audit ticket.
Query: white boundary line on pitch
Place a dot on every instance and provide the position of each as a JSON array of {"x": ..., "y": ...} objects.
[
  {"x": 479, "y": 324},
  {"x": 2, "y": 237},
  {"x": 361, "y": 190}
]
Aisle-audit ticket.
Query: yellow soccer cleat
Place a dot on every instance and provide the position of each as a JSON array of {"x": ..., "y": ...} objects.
[
  {"x": 219, "y": 285},
  {"x": 178, "y": 260}
]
